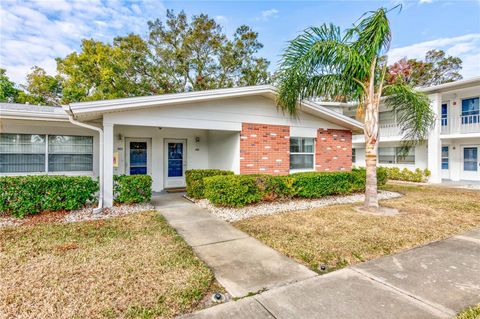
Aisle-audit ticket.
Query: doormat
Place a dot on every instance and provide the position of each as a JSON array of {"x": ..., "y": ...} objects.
[{"x": 176, "y": 190}]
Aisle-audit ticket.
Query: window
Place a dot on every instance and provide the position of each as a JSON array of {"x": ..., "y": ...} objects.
[
  {"x": 354, "y": 156},
  {"x": 22, "y": 153},
  {"x": 470, "y": 111},
  {"x": 470, "y": 159},
  {"x": 70, "y": 153},
  {"x": 396, "y": 155},
  {"x": 29, "y": 153},
  {"x": 444, "y": 157},
  {"x": 301, "y": 153},
  {"x": 444, "y": 114},
  {"x": 387, "y": 117}
]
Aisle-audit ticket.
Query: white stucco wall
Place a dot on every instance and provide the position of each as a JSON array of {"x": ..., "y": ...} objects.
[
  {"x": 226, "y": 115},
  {"x": 52, "y": 128},
  {"x": 224, "y": 150},
  {"x": 455, "y": 171}
]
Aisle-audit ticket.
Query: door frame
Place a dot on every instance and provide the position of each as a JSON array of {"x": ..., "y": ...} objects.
[
  {"x": 127, "y": 153},
  {"x": 470, "y": 175},
  {"x": 175, "y": 181}
]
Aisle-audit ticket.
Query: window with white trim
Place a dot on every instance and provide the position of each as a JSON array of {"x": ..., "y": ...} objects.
[
  {"x": 396, "y": 155},
  {"x": 70, "y": 153},
  {"x": 36, "y": 153},
  {"x": 302, "y": 153},
  {"x": 445, "y": 163},
  {"x": 354, "y": 156},
  {"x": 22, "y": 153}
]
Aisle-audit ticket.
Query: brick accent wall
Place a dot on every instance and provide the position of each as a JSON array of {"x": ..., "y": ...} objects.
[
  {"x": 333, "y": 151},
  {"x": 264, "y": 149}
]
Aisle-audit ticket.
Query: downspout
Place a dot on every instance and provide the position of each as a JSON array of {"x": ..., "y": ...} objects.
[{"x": 72, "y": 120}]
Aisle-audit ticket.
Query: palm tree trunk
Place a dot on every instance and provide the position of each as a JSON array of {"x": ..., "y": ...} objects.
[{"x": 371, "y": 142}]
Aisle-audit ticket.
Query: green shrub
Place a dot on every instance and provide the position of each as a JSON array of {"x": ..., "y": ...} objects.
[
  {"x": 233, "y": 190},
  {"x": 26, "y": 195},
  {"x": 405, "y": 174},
  {"x": 382, "y": 176},
  {"x": 314, "y": 185},
  {"x": 132, "y": 188},
  {"x": 194, "y": 179}
]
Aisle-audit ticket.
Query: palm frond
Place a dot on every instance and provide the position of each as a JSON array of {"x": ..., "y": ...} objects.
[
  {"x": 319, "y": 63},
  {"x": 414, "y": 114},
  {"x": 373, "y": 34}
]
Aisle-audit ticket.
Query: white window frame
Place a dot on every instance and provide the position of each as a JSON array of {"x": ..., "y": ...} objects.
[
  {"x": 46, "y": 172},
  {"x": 298, "y": 170},
  {"x": 395, "y": 157}
]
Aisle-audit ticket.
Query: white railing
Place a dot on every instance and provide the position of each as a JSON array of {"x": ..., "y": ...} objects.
[
  {"x": 389, "y": 130},
  {"x": 460, "y": 124}
]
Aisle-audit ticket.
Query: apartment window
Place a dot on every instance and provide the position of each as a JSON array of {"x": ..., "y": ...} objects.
[
  {"x": 301, "y": 153},
  {"x": 396, "y": 155},
  {"x": 444, "y": 157},
  {"x": 444, "y": 114},
  {"x": 70, "y": 153},
  {"x": 470, "y": 111},
  {"x": 387, "y": 117},
  {"x": 29, "y": 153},
  {"x": 22, "y": 153},
  {"x": 354, "y": 156}
]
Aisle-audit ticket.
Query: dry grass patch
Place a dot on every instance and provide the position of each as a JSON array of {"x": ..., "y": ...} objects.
[
  {"x": 134, "y": 266},
  {"x": 338, "y": 236}
]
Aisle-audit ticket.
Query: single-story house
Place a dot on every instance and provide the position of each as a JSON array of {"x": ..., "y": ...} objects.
[{"x": 239, "y": 129}]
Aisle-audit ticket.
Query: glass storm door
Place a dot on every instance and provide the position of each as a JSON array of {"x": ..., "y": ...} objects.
[
  {"x": 138, "y": 153},
  {"x": 470, "y": 165},
  {"x": 175, "y": 159}
]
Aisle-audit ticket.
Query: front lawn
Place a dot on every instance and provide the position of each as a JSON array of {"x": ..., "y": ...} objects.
[
  {"x": 131, "y": 266},
  {"x": 338, "y": 236}
]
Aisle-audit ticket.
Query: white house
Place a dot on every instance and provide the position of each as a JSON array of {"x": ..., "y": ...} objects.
[
  {"x": 453, "y": 148},
  {"x": 238, "y": 129}
]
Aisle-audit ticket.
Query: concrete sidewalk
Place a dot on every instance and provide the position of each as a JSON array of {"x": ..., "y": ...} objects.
[
  {"x": 241, "y": 264},
  {"x": 433, "y": 281}
]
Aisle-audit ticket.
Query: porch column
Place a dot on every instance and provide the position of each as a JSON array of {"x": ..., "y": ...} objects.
[
  {"x": 107, "y": 165},
  {"x": 434, "y": 142}
]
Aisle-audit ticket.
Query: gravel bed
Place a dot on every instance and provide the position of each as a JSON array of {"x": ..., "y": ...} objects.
[
  {"x": 235, "y": 214},
  {"x": 115, "y": 211},
  {"x": 77, "y": 215}
]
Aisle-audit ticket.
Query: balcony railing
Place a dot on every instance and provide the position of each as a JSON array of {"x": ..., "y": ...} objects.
[
  {"x": 460, "y": 124},
  {"x": 389, "y": 130}
]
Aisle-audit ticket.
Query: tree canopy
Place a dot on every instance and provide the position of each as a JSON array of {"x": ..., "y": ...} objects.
[{"x": 179, "y": 54}]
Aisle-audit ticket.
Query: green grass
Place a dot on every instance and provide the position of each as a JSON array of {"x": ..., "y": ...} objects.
[
  {"x": 134, "y": 266},
  {"x": 470, "y": 313}
]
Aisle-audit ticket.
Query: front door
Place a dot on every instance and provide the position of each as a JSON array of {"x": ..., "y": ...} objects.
[
  {"x": 138, "y": 156},
  {"x": 470, "y": 164},
  {"x": 175, "y": 163}
]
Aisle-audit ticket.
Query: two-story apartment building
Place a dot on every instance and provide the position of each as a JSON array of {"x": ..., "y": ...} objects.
[{"x": 452, "y": 151}]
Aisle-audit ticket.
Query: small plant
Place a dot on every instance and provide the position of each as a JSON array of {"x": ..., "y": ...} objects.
[
  {"x": 195, "y": 183},
  {"x": 27, "y": 195},
  {"x": 419, "y": 175},
  {"x": 131, "y": 189}
]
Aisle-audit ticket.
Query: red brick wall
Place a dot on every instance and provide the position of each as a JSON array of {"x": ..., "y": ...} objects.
[
  {"x": 264, "y": 149},
  {"x": 333, "y": 151}
]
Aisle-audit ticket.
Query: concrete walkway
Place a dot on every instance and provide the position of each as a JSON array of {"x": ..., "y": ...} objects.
[
  {"x": 241, "y": 264},
  {"x": 433, "y": 281}
]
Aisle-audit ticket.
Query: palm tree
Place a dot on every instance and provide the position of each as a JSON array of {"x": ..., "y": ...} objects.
[{"x": 327, "y": 63}]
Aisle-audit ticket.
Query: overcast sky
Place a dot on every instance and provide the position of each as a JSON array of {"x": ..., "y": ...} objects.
[{"x": 35, "y": 32}]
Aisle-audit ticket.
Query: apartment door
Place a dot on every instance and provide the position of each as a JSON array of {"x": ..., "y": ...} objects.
[
  {"x": 138, "y": 154},
  {"x": 175, "y": 163},
  {"x": 470, "y": 162}
]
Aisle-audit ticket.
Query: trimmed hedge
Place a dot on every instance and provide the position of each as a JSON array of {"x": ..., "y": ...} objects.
[
  {"x": 407, "y": 175},
  {"x": 241, "y": 190},
  {"x": 194, "y": 179},
  {"x": 28, "y": 195},
  {"x": 131, "y": 189},
  {"x": 232, "y": 190}
]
